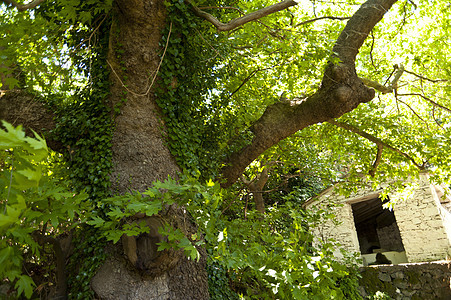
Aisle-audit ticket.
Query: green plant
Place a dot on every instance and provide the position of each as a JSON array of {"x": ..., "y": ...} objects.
[
  {"x": 267, "y": 257},
  {"x": 35, "y": 208}
]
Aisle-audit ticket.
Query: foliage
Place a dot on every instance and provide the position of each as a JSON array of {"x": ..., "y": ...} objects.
[
  {"x": 188, "y": 75},
  {"x": 60, "y": 51},
  {"x": 219, "y": 282},
  {"x": 33, "y": 202},
  {"x": 265, "y": 256},
  {"x": 275, "y": 257},
  {"x": 87, "y": 257},
  {"x": 151, "y": 202}
]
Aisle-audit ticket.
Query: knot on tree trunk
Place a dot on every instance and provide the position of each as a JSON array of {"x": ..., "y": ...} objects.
[
  {"x": 342, "y": 90},
  {"x": 142, "y": 250}
]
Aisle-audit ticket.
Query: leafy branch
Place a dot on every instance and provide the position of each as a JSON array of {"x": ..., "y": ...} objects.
[{"x": 341, "y": 91}]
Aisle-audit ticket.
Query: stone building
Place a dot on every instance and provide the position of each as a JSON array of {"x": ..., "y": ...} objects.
[{"x": 416, "y": 229}]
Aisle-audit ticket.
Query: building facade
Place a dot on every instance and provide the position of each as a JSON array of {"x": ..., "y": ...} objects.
[{"x": 417, "y": 228}]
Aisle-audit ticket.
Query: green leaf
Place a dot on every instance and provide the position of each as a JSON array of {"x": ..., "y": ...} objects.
[
  {"x": 96, "y": 221},
  {"x": 5, "y": 253},
  {"x": 25, "y": 285}
]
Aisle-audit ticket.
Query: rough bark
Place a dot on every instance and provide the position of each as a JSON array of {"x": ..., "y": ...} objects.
[
  {"x": 140, "y": 156},
  {"x": 340, "y": 92},
  {"x": 21, "y": 108}
]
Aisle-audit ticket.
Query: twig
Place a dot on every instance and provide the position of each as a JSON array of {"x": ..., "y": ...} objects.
[
  {"x": 413, "y": 111},
  {"x": 214, "y": 49},
  {"x": 427, "y": 99},
  {"x": 375, "y": 140},
  {"x": 252, "y": 75},
  {"x": 371, "y": 50},
  {"x": 435, "y": 119},
  {"x": 425, "y": 78},
  {"x": 321, "y": 18}
]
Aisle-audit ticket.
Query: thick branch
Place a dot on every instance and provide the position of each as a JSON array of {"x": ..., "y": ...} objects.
[
  {"x": 341, "y": 91},
  {"x": 256, "y": 188},
  {"x": 21, "y": 108},
  {"x": 377, "y": 86},
  {"x": 375, "y": 140},
  {"x": 22, "y": 7},
  {"x": 358, "y": 28},
  {"x": 244, "y": 19}
]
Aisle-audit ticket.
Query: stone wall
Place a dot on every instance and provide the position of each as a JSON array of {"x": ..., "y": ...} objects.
[
  {"x": 408, "y": 281},
  {"x": 389, "y": 238},
  {"x": 422, "y": 228},
  {"x": 342, "y": 229}
]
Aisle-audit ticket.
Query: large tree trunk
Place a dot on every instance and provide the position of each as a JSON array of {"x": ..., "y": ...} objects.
[{"x": 140, "y": 156}]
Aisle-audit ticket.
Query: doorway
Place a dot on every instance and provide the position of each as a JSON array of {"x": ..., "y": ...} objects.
[{"x": 378, "y": 232}]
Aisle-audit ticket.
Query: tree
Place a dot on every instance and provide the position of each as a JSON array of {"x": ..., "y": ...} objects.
[{"x": 253, "y": 58}]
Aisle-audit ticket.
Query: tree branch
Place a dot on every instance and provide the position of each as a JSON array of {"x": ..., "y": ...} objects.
[
  {"x": 22, "y": 7},
  {"x": 321, "y": 18},
  {"x": 61, "y": 280},
  {"x": 244, "y": 19},
  {"x": 340, "y": 91},
  {"x": 427, "y": 99},
  {"x": 413, "y": 111},
  {"x": 382, "y": 88},
  {"x": 380, "y": 148},
  {"x": 375, "y": 140},
  {"x": 425, "y": 78},
  {"x": 376, "y": 85}
]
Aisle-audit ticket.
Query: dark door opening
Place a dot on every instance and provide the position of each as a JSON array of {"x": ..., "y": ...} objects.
[{"x": 376, "y": 227}]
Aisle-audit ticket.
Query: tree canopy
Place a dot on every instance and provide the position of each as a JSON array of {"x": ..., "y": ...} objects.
[{"x": 277, "y": 55}]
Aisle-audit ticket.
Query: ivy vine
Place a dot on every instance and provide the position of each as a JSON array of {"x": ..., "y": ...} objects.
[{"x": 188, "y": 74}]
